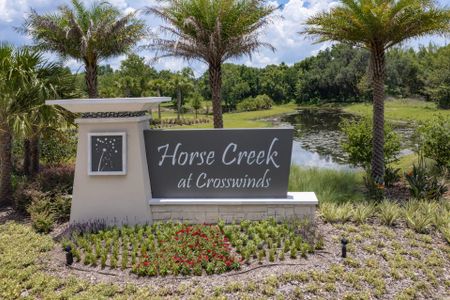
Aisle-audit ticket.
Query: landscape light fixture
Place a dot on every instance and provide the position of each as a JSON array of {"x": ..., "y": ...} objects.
[
  {"x": 69, "y": 255},
  {"x": 344, "y": 243}
]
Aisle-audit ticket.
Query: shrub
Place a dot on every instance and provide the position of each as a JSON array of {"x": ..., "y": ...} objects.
[
  {"x": 42, "y": 221},
  {"x": 441, "y": 95},
  {"x": 58, "y": 147},
  {"x": 58, "y": 179},
  {"x": 441, "y": 217},
  {"x": 446, "y": 233},
  {"x": 45, "y": 208},
  {"x": 374, "y": 189},
  {"x": 434, "y": 140},
  {"x": 389, "y": 213},
  {"x": 260, "y": 102},
  {"x": 419, "y": 216},
  {"x": 423, "y": 185},
  {"x": 358, "y": 142},
  {"x": 24, "y": 194},
  {"x": 391, "y": 176},
  {"x": 333, "y": 213},
  {"x": 362, "y": 211}
]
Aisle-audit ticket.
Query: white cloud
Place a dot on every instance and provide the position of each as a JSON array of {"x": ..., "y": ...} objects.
[
  {"x": 5, "y": 12},
  {"x": 283, "y": 34}
]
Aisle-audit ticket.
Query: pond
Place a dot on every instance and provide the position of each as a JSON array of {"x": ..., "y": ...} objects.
[{"x": 317, "y": 141}]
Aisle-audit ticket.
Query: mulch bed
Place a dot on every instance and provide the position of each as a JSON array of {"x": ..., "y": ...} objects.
[{"x": 361, "y": 259}]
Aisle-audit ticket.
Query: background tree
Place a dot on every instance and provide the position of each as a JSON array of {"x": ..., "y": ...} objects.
[
  {"x": 332, "y": 75},
  {"x": 86, "y": 34},
  {"x": 436, "y": 74},
  {"x": 402, "y": 73},
  {"x": 134, "y": 71},
  {"x": 158, "y": 86},
  {"x": 212, "y": 32},
  {"x": 196, "y": 101},
  {"x": 181, "y": 84},
  {"x": 377, "y": 26}
]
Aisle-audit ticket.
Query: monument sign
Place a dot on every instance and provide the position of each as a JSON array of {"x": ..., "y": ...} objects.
[{"x": 186, "y": 175}]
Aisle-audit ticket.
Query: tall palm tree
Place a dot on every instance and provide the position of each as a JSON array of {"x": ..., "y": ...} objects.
[
  {"x": 211, "y": 31},
  {"x": 15, "y": 78},
  {"x": 377, "y": 26},
  {"x": 86, "y": 34},
  {"x": 26, "y": 80},
  {"x": 50, "y": 80}
]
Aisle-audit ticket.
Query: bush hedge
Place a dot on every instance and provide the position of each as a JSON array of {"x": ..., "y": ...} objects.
[{"x": 260, "y": 102}]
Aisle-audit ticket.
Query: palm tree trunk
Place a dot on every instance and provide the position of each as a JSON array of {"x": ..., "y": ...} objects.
[
  {"x": 26, "y": 157},
  {"x": 178, "y": 102},
  {"x": 6, "y": 196},
  {"x": 91, "y": 78},
  {"x": 159, "y": 105},
  {"x": 378, "y": 72},
  {"x": 35, "y": 156},
  {"x": 215, "y": 82}
]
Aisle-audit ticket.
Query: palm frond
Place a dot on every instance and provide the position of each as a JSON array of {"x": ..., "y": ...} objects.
[{"x": 382, "y": 23}]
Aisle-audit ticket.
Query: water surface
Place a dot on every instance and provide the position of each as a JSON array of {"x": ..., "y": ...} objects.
[{"x": 317, "y": 138}]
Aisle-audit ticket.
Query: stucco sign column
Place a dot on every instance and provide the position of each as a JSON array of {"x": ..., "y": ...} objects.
[{"x": 111, "y": 182}]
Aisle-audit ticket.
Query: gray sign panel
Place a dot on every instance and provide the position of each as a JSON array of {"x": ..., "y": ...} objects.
[
  {"x": 107, "y": 153},
  {"x": 219, "y": 163}
]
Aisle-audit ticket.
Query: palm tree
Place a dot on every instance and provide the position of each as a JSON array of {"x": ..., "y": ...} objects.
[
  {"x": 26, "y": 80},
  {"x": 50, "y": 80},
  {"x": 15, "y": 79},
  {"x": 377, "y": 26},
  {"x": 211, "y": 31},
  {"x": 85, "y": 34}
]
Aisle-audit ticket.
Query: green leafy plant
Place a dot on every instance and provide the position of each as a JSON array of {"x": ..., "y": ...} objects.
[
  {"x": 293, "y": 252},
  {"x": 358, "y": 142},
  {"x": 446, "y": 233},
  {"x": 45, "y": 208},
  {"x": 260, "y": 102},
  {"x": 434, "y": 140},
  {"x": 333, "y": 213},
  {"x": 391, "y": 176},
  {"x": 375, "y": 189},
  {"x": 56, "y": 179},
  {"x": 362, "y": 212},
  {"x": 42, "y": 220},
  {"x": 272, "y": 254},
  {"x": 419, "y": 216},
  {"x": 423, "y": 185},
  {"x": 389, "y": 213}
]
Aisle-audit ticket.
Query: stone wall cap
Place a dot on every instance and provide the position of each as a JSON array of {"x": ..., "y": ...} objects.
[
  {"x": 108, "y": 104},
  {"x": 293, "y": 198}
]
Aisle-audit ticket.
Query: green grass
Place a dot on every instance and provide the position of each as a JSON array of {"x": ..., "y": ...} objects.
[
  {"x": 400, "y": 110},
  {"x": 329, "y": 185},
  {"x": 251, "y": 119}
]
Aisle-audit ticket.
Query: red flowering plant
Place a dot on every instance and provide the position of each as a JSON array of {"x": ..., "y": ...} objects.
[{"x": 190, "y": 250}]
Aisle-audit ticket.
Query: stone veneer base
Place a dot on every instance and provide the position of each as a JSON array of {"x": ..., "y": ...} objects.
[{"x": 295, "y": 205}]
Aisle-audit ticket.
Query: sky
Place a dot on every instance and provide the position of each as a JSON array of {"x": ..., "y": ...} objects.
[{"x": 282, "y": 33}]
